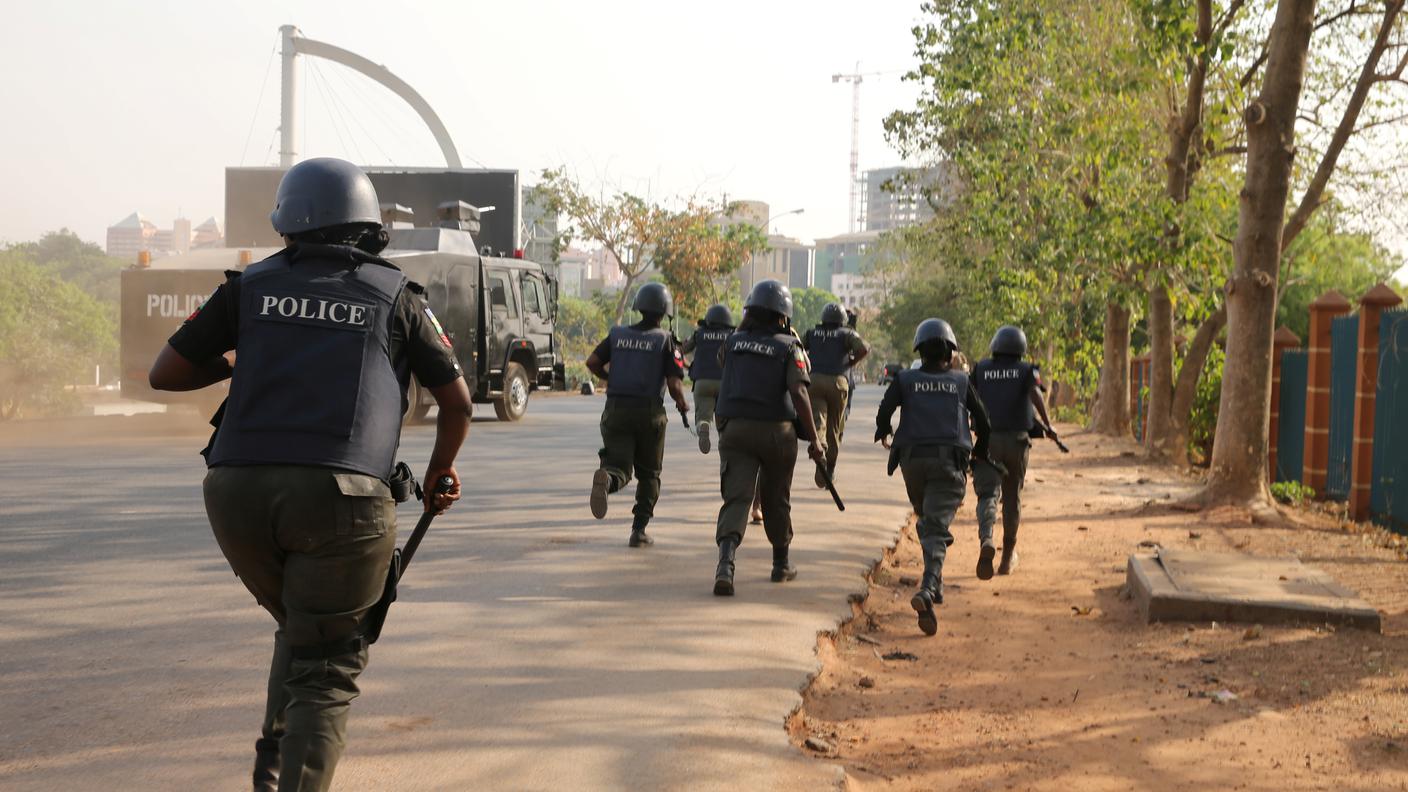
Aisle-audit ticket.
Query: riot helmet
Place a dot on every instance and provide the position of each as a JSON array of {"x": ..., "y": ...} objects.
[
  {"x": 771, "y": 295},
  {"x": 654, "y": 298},
  {"x": 1009, "y": 340},
  {"x": 935, "y": 330},
  {"x": 719, "y": 315},
  {"x": 324, "y": 192},
  {"x": 833, "y": 315}
]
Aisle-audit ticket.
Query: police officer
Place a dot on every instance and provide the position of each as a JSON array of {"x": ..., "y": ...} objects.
[
  {"x": 932, "y": 449},
  {"x": 1011, "y": 390},
  {"x": 762, "y": 408},
  {"x": 704, "y": 370},
  {"x": 851, "y": 319},
  {"x": 639, "y": 363},
  {"x": 327, "y": 335},
  {"x": 833, "y": 348}
]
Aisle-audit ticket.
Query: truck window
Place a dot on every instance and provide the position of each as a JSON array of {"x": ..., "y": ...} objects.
[
  {"x": 533, "y": 301},
  {"x": 500, "y": 295}
]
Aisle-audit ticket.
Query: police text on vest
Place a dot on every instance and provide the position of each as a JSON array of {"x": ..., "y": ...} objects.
[{"x": 314, "y": 308}]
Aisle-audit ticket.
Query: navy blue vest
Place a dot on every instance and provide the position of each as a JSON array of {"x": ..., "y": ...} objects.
[
  {"x": 637, "y": 363},
  {"x": 826, "y": 346},
  {"x": 313, "y": 382},
  {"x": 1004, "y": 385},
  {"x": 755, "y": 377},
  {"x": 933, "y": 409},
  {"x": 707, "y": 341}
]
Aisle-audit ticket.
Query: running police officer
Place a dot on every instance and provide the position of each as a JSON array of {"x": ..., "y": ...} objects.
[
  {"x": 327, "y": 335},
  {"x": 833, "y": 348},
  {"x": 932, "y": 449},
  {"x": 1010, "y": 390},
  {"x": 704, "y": 370},
  {"x": 639, "y": 363},
  {"x": 762, "y": 408}
]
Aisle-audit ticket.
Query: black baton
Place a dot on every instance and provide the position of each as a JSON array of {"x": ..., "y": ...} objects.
[
  {"x": 400, "y": 559},
  {"x": 830, "y": 486}
]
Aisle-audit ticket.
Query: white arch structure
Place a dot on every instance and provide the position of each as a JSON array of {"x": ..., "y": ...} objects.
[{"x": 294, "y": 44}]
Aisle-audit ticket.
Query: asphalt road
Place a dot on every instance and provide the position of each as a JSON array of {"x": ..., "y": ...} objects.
[{"x": 531, "y": 649}]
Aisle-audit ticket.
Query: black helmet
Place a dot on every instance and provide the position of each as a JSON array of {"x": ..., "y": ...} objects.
[
  {"x": 771, "y": 295},
  {"x": 833, "y": 314},
  {"x": 1009, "y": 340},
  {"x": 719, "y": 315},
  {"x": 322, "y": 192},
  {"x": 654, "y": 298},
  {"x": 934, "y": 330}
]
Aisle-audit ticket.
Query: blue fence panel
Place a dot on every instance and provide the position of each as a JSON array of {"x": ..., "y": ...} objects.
[
  {"x": 1290, "y": 434},
  {"x": 1344, "y": 347},
  {"x": 1388, "y": 497}
]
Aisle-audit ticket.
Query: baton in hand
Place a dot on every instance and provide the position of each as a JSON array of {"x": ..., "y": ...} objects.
[
  {"x": 830, "y": 486},
  {"x": 400, "y": 559}
]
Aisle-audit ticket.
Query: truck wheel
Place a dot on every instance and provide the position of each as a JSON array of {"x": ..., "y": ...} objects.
[
  {"x": 513, "y": 404},
  {"x": 415, "y": 410}
]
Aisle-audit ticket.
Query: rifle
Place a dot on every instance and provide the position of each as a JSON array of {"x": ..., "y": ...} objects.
[
  {"x": 1052, "y": 435},
  {"x": 830, "y": 485},
  {"x": 400, "y": 559}
]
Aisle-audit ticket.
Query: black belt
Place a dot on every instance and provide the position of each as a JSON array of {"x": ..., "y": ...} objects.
[
  {"x": 931, "y": 450},
  {"x": 634, "y": 401}
]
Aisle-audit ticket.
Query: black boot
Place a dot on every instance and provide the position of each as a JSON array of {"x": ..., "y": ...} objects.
[
  {"x": 723, "y": 576},
  {"x": 931, "y": 588},
  {"x": 1009, "y": 554},
  {"x": 985, "y": 554},
  {"x": 266, "y": 764},
  {"x": 782, "y": 569},
  {"x": 639, "y": 538}
]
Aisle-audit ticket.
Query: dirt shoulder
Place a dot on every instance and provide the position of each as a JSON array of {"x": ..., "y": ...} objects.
[{"x": 1024, "y": 688}]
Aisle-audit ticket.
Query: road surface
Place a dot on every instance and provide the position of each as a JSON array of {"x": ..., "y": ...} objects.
[{"x": 530, "y": 650}]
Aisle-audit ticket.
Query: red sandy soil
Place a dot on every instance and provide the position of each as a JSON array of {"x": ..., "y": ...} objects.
[{"x": 1049, "y": 680}]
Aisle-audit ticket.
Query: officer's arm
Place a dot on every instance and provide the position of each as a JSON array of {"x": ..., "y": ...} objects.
[
  {"x": 858, "y": 354},
  {"x": 1039, "y": 402},
  {"x": 978, "y": 417},
  {"x": 173, "y": 372},
  {"x": 802, "y": 403},
  {"x": 888, "y": 404}
]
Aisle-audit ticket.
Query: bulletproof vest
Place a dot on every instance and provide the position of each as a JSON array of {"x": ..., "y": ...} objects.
[
  {"x": 826, "y": 346},
  {"x": 1004, "y": 385},
  {"x": 637, "y": 363},
  {"x": 707, "y": 341},
  {"x": 933, "y": 409},
  {"x": 313, "y": 382},
  {"x": 755, "y": 377}
]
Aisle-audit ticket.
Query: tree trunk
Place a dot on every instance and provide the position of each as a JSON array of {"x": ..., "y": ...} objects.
[
  {"x": 1238, "y": 472},
  {"x": 1160, "y": 372},
  {"x": 1186, "y": 389},
  {"x": 1111, "y": 413}
]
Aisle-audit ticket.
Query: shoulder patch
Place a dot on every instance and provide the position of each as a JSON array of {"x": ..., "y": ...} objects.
[
  {"x": 799, "y": 357},
  {"x": 444, "y": 339}
]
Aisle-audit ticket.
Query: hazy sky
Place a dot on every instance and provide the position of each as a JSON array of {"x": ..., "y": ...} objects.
[{"x": 121, "y": 106}]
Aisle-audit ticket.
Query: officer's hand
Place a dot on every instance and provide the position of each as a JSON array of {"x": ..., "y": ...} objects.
[
  {"x": 885, "y": 442},
  {"x": 814, "y": 451},
  {"x": 439, "y": 502},
  {"x": 1051, "y": 433}
]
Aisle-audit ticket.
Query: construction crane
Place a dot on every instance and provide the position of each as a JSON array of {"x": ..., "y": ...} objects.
[{"x": 855, "y": 78}]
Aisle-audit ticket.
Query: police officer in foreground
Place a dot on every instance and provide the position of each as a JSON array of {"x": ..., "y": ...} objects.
[
  {"x": 932, "y": 448},
  {"x": 1011, "y": 391},
  {"x": 639, "y": 363},
  {"x": 833, "y": 348},
  {"x": 327, "y": 335},
  {"x": 704, "y": 369},
  {"x": 762, "y": 408}
]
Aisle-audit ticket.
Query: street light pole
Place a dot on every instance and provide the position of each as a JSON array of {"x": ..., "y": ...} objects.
[{"x": 767, "y": 232}]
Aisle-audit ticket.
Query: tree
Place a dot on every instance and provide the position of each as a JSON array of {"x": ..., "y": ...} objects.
[
  {"x": 51, "y": 336},
  {"x": 696, "y": 255},
  {"x": 807, "y": 304}
]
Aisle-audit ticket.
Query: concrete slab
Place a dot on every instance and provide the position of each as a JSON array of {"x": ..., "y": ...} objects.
[{"x": 1186, "y": 585}]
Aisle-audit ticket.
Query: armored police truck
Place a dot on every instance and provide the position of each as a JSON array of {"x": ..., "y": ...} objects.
[{"x": 497, "y": 312}]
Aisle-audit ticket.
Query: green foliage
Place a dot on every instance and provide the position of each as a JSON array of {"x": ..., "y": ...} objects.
[
  {"x": 1292, "y": 492},
  {"x": 581, "y": 324},
  {"x": 1321, "y": 259},
  {"x": 806, "y": 307},
  {"x": 62, "y": 254},
  {"x": 1202, "y": 420},
  {"x": 52, "y": 333}
]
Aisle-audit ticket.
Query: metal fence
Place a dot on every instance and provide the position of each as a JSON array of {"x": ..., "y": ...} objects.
[
  {"x": 1290, "y": 434},
  {"x": 1344, "y": 347},
  {"x": 1388, "y": 497}
]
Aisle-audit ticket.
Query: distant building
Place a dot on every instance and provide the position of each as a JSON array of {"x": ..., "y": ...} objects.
[
  {"x": 786, "y": 259},
  {"x": 573, "y": 272},
  {"x": 857, "y": 290},
  {"x": 135, "y": 233},
  {"x": 540, "y": 228},
  {"x": 894, "y": 197},
  {"x": 847, "y": 254}
]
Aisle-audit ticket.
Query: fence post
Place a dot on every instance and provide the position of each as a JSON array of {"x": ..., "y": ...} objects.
[
  {"x": 1366, "y": 383},
  {"x": 1283, "y": 340},
  {"x": 1317, "y": 389}
]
